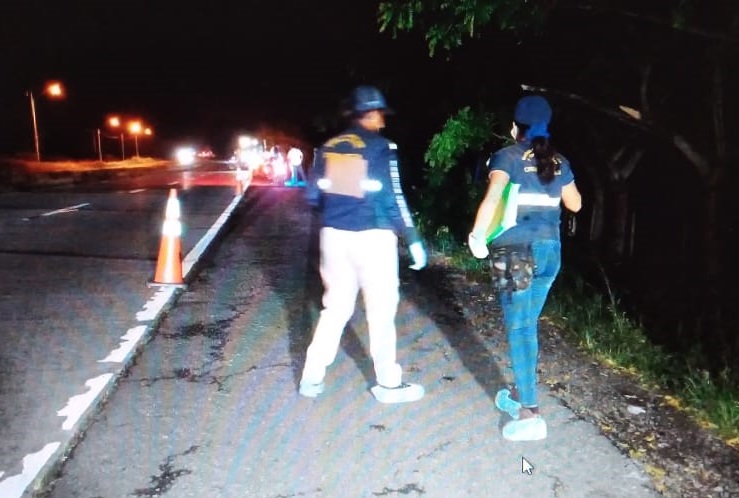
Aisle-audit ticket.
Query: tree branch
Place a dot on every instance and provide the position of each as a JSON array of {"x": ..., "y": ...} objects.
[
  {"x": 696, "y": 158},
  {"x": 655, "y": 20}
]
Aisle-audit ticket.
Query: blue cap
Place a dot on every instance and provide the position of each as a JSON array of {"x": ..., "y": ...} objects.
[
  {"x": 367, "y": 98},
  {"x": 531, "y": 110}
]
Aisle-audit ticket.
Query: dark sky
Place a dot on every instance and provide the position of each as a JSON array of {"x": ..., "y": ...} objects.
[{"x": 203, "y": 71}]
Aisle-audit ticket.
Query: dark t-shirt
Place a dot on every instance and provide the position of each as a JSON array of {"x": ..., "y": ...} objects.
[{"x": 539, "y": 208}]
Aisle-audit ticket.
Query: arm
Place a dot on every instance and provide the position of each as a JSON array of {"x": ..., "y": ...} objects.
[
  {"x": 317, "y": 171},
  {"x": 571, "y": 197},
  {"x": 498, "y": 181},
  {"x": 393, "y": 200}
]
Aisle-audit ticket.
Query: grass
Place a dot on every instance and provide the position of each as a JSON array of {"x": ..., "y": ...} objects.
[
  {"x": 596, "y": 324},
  {"x": 593, "y": 321}
]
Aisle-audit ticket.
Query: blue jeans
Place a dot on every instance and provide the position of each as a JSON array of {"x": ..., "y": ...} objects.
[{"x": 521, "y": 310}]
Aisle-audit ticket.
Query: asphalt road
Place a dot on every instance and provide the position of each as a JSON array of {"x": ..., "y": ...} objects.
[
  {"x": 210, "y": 406},
  {"x": 74, "y": 300}
]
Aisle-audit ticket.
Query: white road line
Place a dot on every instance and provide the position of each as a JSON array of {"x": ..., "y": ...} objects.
[
  {"x": 79, "y": 403},
  {"x": 14, "y": 486},
  {"x": 136, "y": 191},
  {"x": 69, "y": 209}
]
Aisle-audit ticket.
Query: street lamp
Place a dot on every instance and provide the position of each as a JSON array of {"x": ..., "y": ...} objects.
[
  {"x": 54, "y": 90},
  {"x": 135, "y": 128}
]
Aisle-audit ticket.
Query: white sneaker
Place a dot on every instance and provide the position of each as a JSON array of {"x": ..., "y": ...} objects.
[
  {"x": 527, "y": 429},
  {"x": 404, "y": 393},
  {"x": 310, "y": 390}
]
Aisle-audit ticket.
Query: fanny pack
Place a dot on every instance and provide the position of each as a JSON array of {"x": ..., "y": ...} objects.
[{"x": 512, "y": 267}]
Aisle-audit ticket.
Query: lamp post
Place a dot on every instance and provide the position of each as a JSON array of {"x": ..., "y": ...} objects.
[
  {"x": 100, "y": 148},
  {"x": 115, "y": 123},
  {"x": 53, "y": 89},
  {"x": 135, "y": 128}
]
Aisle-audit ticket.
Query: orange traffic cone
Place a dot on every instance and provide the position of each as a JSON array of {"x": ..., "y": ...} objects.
[{"x": 169, "y": 263}]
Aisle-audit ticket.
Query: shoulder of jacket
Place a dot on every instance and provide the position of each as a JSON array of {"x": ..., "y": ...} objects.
[
  {"x": 560, "y": 159},
  {"x": 380, "y": 143}
]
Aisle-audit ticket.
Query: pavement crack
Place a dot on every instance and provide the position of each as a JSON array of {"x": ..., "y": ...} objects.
[
  {"x": 405, "y": 490},
  {"x": 208, "y": 375},
  {"x": 163, "y": 482},
  {"x": 435, "y": 450},
  {"x": 558, "y": 486},
  {"x": 299, "y": 493}
]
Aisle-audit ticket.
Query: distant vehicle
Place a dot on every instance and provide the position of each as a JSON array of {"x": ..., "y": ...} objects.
[
  {"x": 185, "y": 156},
  {"x": 206, "y": 153},
  {"x": 274, "y": 169}
]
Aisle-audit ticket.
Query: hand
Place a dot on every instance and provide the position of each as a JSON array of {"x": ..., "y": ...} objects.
[
  {"x": 418, "y": 253},
  {"x": 477, "y": 245}
]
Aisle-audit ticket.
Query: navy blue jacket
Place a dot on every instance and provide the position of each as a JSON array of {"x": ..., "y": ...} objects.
[
  {"x": 539, "y": 218},
  {"x": 382, "y": 205}
]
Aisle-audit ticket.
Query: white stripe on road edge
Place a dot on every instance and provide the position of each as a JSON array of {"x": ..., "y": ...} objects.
[
  {"x": 34, "y": 463},
  {"x": 128, "y": 342},
  {"x": 59, "y": 211},
  {"x": 76, "y": 405},
  {"x": 154, "y": 305},
  {"x": 136, "y": 191}
]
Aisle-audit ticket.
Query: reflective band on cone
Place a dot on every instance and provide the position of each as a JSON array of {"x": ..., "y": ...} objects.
[{"x": 169, "y": 262}]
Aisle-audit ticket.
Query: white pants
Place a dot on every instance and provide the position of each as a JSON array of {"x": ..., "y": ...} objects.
[{"x": 350, "y": 261}]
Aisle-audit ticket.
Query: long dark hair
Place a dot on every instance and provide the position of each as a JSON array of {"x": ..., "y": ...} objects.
[{"x": 544, "y": 153}]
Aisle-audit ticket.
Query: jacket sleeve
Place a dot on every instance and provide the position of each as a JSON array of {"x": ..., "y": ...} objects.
[
  {"x": 392, "y": 200},
  {"x": 313, "y": 194}
]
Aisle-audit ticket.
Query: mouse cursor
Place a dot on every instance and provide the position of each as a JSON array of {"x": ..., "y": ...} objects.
[{"x": 526, "y": 467}]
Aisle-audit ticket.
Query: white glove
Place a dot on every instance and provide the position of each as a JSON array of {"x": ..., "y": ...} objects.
[
  {"x": 418, "y": 253},
  {"x": 477, "y": 245}
]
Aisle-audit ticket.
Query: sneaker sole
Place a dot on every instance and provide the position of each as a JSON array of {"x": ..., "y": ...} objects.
[
  {"x": 387, "y": 396},
  {"x": 535, "y": 433}
]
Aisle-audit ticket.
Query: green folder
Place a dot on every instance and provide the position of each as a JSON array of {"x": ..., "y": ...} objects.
[{"x": 505, "y": 213}]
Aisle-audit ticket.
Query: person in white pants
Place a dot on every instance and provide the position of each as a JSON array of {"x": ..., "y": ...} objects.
[
  {"x": 355, "y": 184},
  {"x": 295, "y": 160}
]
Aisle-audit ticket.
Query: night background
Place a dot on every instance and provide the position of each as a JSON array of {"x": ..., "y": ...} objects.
[{"x": 658, "y": 191}]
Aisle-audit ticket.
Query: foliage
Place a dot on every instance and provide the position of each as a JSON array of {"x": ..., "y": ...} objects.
[
  {"x": 451, "y": 195},
  {"x": 447, "y": 23},
  {"x": 463, "y": 132}
]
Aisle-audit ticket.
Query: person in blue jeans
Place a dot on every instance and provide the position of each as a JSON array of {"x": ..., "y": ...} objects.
[{"x": 525, "y": 258}]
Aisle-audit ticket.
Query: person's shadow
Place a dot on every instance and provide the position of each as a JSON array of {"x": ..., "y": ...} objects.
[{"x": 432, "y": 292}]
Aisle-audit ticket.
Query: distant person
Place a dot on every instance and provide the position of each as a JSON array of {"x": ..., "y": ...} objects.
[
  {"x": 355, "y": 183},
  {"x": 295, "y": 160},
  {"x": 525, "y": 259}
]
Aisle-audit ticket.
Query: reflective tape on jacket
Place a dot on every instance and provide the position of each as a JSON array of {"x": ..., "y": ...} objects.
[
  {"x": 368, "y": 184},
  {"x": 540, "y": 200}
]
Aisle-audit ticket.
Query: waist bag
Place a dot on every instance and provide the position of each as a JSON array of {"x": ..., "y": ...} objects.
[{"x": 512, "y": 267}]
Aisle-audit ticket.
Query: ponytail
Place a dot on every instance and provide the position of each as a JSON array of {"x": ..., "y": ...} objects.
[
  {"x": 546, "y": 164},
  {"x": 544, "y": 153}
]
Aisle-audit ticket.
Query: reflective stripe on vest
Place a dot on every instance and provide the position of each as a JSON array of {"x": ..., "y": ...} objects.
[
  {"x": 368, "y": 185},
  {"x": 541, "y": 200}
]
